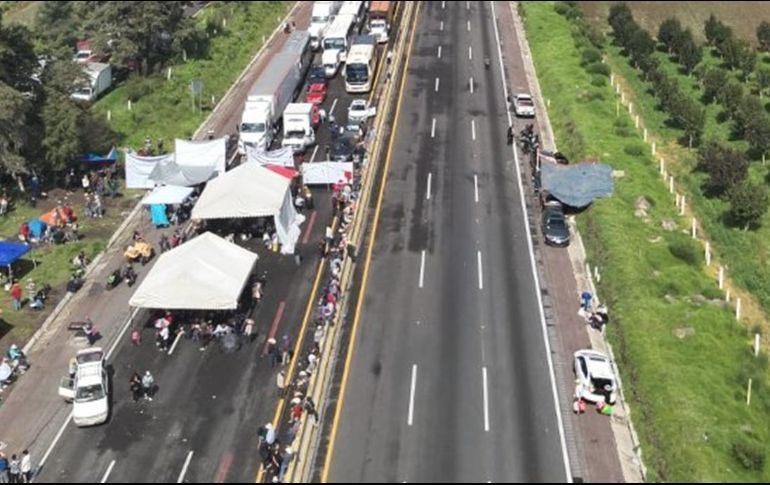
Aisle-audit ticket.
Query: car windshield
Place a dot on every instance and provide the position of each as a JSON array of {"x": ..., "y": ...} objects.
[
  {"x": 252, "y": 127},
  {"x": 525, "y": 102},
  {"x": 357, "y": 107},
  {"x": 89, "y": 393},
  {"x": 334, "y": 43},
  {"x": 317, "y": 73},
  {"x": 357, "y": 73}
]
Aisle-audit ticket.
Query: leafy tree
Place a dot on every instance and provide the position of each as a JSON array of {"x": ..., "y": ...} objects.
[
  {"x": 763, "y": 81},
  {"x": 757, "y": 132},
  {"x": 689, "y": 55},
  {"x": 725, "y": 166},
  {"x": 748, "y": 204},
  {"x": 690, "y": 116},
  {"x": 18, "y": 61},
  {"x": 14, "y": 136},
  {"x": 56, "y": 27},
  {"x": 61, "y": 138},
  {"x": 620, "y": 19},
  {"x": 713, "y": 81},
  {"x": 716, "y": 32},
  {"x": 667, "y": 32},
  {"x": 763, "y": 35},
  {"x": 749, "y": 110},
  {"x": 640, "y": 45},
  {"x": 730, "y": 97}
]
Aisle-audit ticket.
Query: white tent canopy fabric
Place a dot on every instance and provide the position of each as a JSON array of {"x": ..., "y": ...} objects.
[
  {"x": 169, "y": 172},
  {"x": 168, "y": 194},
  {"x": 206, "y": 273},
  {"x": 250, "y": 190},
  {"x": 138, "y": 169},
  {"x": 282, "y": 156},
  {"x": 207, "y": 153},
  {"x": 323, "y": 173}
]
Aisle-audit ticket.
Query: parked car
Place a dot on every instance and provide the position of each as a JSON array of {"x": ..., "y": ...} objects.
[
  {"x": 596, "y": 379},
  {"x": 555, "y": 229},
  {"x": 342, "y": 148},
  {"x": 358, "y": 112},
  {"x": 316, "y": 93},
  {"x": 316, "y": 74},
  {"x": 523, "y": 105}
]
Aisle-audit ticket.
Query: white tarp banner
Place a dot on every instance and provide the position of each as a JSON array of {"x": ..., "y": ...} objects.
[
  {"x": 206, "y": 153},
  {"x": 167, "y": 194},
  {"x": 324, "y": 173},
  {"x": 138, "y": 169},
  {"x": 168, "y": 172},
  {"x": 205, "y": 273},
  {"x": 287, "y": 224},
  {"x": 282, "y": 156}
]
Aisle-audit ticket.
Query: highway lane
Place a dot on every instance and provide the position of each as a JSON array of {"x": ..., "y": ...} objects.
[
  {"x": 209, "y": 403},
  {"x": 450, "y": 380}
]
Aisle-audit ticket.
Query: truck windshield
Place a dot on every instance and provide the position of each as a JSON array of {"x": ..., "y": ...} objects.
[
  {"x": 357, "y": 73},
  {"x": 377, "y": 24},
  {"x": 252, "y": 127},
  {"x": 89, "y": 393},
  {"x": 319, "y": 19},
  {"x": 334, "y": 43}
]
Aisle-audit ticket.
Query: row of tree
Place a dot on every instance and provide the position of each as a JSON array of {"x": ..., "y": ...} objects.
[
  {"x": 684, "y": 112},
  {"x": 680, "y": 43}
]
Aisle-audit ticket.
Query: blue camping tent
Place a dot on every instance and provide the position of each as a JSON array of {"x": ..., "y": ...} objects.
[
  {"x": 111, "y": 157},
  {"x": 10, "y": 252},
  {"x": 36, "y": 228},
  {"x": 159, "y": 217}
]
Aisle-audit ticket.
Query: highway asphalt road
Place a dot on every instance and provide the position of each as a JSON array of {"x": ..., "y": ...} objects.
[{"x": 450, "y": 379}]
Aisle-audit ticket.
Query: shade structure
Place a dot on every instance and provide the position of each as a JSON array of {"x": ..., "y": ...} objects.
[
  {"x": 206, "y": 273},
  {"x": 248, "y": 190},
  {"x": 167, "y": 194},
  {"x": 10, "y": 252}
]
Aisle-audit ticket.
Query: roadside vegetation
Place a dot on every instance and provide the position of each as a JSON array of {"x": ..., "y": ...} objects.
[
  {"x": 684, "y": 360},
  {"x": 43, "y": 130}
]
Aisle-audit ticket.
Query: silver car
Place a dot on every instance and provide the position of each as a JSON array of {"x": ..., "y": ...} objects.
[{"x": 596, "y": 379}]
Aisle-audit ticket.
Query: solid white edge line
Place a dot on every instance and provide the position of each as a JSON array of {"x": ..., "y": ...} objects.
[
  {"x": 427, "y": 194},
  {"x": 334, "y": 105},
  {"x": 184, "y": 467},
  {"x": 476, "y": 186},
  {"x": 439, "y": 52},
  {"x": 486, "y": 398},
  {"x": 312, "y": 157},
  {"x": 107, "y": 473},
  {"x": 433, "y": 128},
  {"x": 66, "y": 423},
  {"x": 176, "y": 341},
  {"x": 436, "y": 84},
  {"x": 554, "y": 390},
  {"x": 473, "y": 129},
  {"x": 422, "y": 270},
  {"x": 410, "y": 417},
  {"x": 481, "y": 271}
]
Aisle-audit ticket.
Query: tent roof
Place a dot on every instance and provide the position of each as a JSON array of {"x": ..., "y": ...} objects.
[
  {"x": 287, "y": 172},
  {"x": 170, "y": 172},
  {"x": 577, "y": 185},
  {"x": 248, "y": 190},
  {"x": 167, "y": 194},
  {"x": 10, "y": 252},
  {"x": 206, "y": 273},
  {"x": 112, "y": 156}
]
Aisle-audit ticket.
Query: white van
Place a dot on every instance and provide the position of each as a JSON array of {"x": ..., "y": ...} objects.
[{"x": 89, "y": 390}]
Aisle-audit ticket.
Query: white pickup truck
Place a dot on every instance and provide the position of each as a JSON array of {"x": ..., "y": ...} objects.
[{"x": 88, "y": 390}]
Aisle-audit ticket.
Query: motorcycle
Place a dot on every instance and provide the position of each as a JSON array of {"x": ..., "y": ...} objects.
[
  {"x": 114, "y": 279},
  {"x": 129, "y": 275}
]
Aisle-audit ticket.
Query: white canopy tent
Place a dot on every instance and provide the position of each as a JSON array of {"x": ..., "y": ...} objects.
[
  {"x": 323, "y": 173},
  {"x": 138, "y": 169},
  {"x": 167, "y": 194},
  {"x": 206, "y": 273},
  {"x": 205, "y": 153},
  {"x": 251, "y": 190}
]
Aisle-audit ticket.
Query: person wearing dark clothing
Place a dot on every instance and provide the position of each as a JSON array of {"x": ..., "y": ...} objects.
[
  {"x": 135, "y": 384},
  {"x": 510, "y": 135}
]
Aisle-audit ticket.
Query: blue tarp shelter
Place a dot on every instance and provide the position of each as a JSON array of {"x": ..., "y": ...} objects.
[
  {"x": 10, "y": 252},
  {"x": 577, "y": 185},
  {"x": 36, "y": 228},
  {"x": 158, "y": 213},
  {"x": 110, "y": 157}
]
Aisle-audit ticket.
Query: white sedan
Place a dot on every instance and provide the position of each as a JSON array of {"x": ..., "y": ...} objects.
[
  {"x": 523, "y": 105},
  {"x": 358, "y": 112},
  {"x": 595, "y": 377}
]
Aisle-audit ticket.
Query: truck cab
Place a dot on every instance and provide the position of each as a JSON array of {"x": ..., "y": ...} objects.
[
  {"x": 298, "y": 132},
  {"x": 256, "y": 126},
  {"x": 88, "y": 390},
  {"x": 331, "y": 62}
]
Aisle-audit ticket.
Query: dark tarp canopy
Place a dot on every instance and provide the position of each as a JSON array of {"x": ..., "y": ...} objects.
[{"x": 577, "y": 185}]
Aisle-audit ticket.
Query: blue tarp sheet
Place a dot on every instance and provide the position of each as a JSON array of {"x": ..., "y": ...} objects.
[
  {"x": 158, "y": 212},
  {"x": 577, "y": 185},
  {"x": 36, "y": 228},
  {"x": 10, "y": 252},
  {"x": 111, "y": 157}
]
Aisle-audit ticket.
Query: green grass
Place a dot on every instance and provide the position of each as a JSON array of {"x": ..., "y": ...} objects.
[
  {"x": 688, "y": 395},
  {"x": 166, "y": 111}
]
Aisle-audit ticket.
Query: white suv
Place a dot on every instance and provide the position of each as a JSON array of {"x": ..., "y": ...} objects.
[
  {"x": 89, "y": 389},
  {"x": 523, "y": 105},
  {"x": 595, "y": 378}
]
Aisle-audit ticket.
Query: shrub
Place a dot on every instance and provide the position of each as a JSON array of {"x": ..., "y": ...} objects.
[
  {"x": 711, "y": 292},
  {"x": 137, "y": 87},
  {"x": 634, "y": 150},
  {"x": 750, "y": 454},
  {"x": 590, "y": 56},
  {"x": 599, "y": 68},
  {"x": 686, "y": 250},
  {"x": 598, "y": 81}
]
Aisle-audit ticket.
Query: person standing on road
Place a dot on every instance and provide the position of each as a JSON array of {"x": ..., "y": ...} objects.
[
  {"x": 4, "y": 477},
  {"x": 280, "y": 382},
  {"x": 510, "y": 134},
  {"x": 14, "y": 470},
  {"x": 148, "y": 385},
  {"x": 309, "y": 406},
  {"x": 272, "y": 352},
  {"x": 297, "y": 256},
  {"x": 286, "y": 458},
  {"x": 286, "y": 352},
  {"x": 248, "y": 329},
  {"x": 136, "y": 337},
  {"x": 16, "y": 294},
  {"x": 135, "y": 385},
  {"x": 318, "y": 335},
  {"x": 26, "y": 467}
]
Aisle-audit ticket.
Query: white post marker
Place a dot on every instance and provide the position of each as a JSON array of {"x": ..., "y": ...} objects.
[
  {"x": 185, "y": 467},
  {"x": 433, "y": 128},
  {"x": 476, "y": 186},
  {"x": 486, "y": 398},
  {"x": 439, "y": 52},
  {"x": 413, "y": 386},
  {"x": 683, "y": 205},
  {"x": 737, "y": 308},
  {"x": 481, "y": 271},
  {"x": 471, "y": 84},
  {"x": 427, "y": 194},
  {"x": 721, "y": 277},
  {"x": 473, "y": 129},
  {"x": 694, "y": 229},
  {"x": 756, "y": 345},
  {"x": 422, "y": 270},
  {"x": 748, "y": 394},
  {"x": 436, "y": 84},
  {"x": 107, "y": 473},
  {"x": 708, "y": 254}
]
